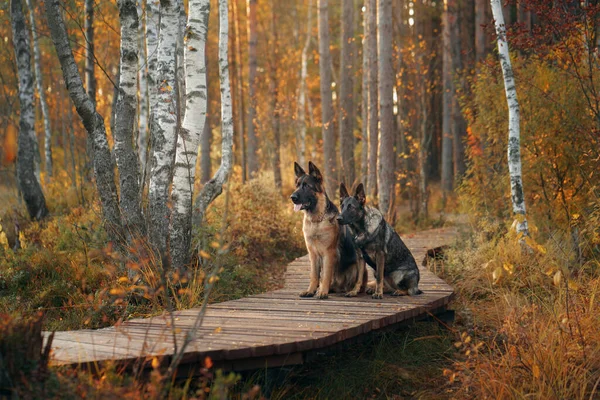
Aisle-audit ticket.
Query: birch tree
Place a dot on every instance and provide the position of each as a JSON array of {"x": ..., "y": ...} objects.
[
  {"x": 206, "y": 139},
  {"x": 346, "y": 109},
  {"x": 301, "y": 137},
  {"x": 326, "y": 100},
  {"x": 385, "y": 162},
  {"x": 373, "y": 97},
  {"x": 29, "y": 186},
  {"x": 143, "y": 107},
  {"x": 41, "y": 92},
  {"x": 514, "y": 141},
  {"x": 252, "y": 148},
  {"x": 125, "y": 116},
  {"x": 94, "y": 123},
  {"x": 189, "y": 134},
  {"x": 214, "y": 187},
  {"x": 448, "y": 91},
  {"x": 164, "y": 127},
  {"x": 152, "y": 20}
]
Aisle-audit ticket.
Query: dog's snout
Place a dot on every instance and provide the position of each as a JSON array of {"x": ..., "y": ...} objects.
[
  {"x": 339, "y": 218},
  {"x": 294, "y": 197}
]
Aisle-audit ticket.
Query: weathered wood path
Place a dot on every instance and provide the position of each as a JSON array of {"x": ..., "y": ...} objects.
[{"x": 266, "y": 330}]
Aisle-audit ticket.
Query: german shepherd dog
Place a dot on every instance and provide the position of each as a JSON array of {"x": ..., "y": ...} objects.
[
  {"x": 330, "y": 248},
  {"x": 380, "y": 245}
]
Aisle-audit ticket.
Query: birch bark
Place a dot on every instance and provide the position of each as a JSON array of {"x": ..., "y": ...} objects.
[
  {"x": 125, "y": 115},
  {"x": 40, "y": 88},
  {"x": 189, "y": 134},
  {"x": 142, "y": 138},
  {"x": 214, "y": 187},
  {"x": 29, "y": 186},
  {"x": 94, "y": 123},
  {"x": 514, "y": 141},
  {"x": 164, "y": 127}
]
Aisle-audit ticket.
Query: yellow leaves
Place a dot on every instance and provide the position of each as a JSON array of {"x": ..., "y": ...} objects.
[
  {"x": 213, "y": 279},
  {"x": 204, "y": 254},
  {"x": 3, "y": 238},
  {"x": 118, "y": 292},
  {"x": 22, "y": 240},
  {"x": 155, "y": 363},
  {"x": 218, "y": 330},
  {"x": 208, "y": 362},
  {"x": 123, "y": 279},
  {"x": 497, "y": 275}
]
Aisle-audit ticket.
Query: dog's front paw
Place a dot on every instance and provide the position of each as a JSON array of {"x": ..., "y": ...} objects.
[
  {"x": 321, "y": 295},
  {"x": 377, "y": 296},
  {"x": 308, "y": 293},
  {"x": 352, "y": 293}
]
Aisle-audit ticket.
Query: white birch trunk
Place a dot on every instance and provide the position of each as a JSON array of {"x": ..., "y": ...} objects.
[
  {"x": 189, "y": 134},
  {"x": 180, "y": 63},
  {"x": 152, "y": 28},
  {"x": 40, "y": 88},
  {"x": 29, "y": 186},
  {"x": 514, "y": 141},
  {"x": 164, "y": 127},
  {"x": 214, "y": 187},
  {"x": 125, "y": 154},
  {"x": 94, "y": 123},
  {"x": 142, "y": 139},
  {"x": 301, "y": 137}
]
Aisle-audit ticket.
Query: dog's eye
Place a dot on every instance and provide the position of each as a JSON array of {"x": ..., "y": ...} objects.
[{"x": 303, "y": 184}]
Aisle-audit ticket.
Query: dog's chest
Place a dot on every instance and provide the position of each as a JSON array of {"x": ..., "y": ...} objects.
[{"x": 322, "y": 232}]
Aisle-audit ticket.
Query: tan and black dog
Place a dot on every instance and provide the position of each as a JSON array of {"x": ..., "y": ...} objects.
[
  {"x": 330, "y": 248},
  {"x": 380, "y": 245}
]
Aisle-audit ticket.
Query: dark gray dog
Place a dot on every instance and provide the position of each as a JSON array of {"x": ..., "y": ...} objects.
[{"x": 380, "y": 246}]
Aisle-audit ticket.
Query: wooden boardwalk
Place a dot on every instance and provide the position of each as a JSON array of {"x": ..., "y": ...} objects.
[{"x": 266, "y": 330}]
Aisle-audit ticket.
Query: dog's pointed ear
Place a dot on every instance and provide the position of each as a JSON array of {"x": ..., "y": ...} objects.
[
  {"x": 298, "y": 170},
  {"x": 359, "y": 193},
  {"x": 343, "y": 192},
  {"x": 314, "y": 172}
]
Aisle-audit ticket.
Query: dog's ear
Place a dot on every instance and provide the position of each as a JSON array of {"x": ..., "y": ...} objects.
[
  {"x": 314, "y": 172},
  {"x": 343, "y": 192},
  {"x": 359, "y": 194},
  {"x": 298, "y": 170}
]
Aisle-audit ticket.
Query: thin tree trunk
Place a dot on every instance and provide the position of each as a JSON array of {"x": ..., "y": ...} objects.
[
  {"x": 180, "y": 64},
  {"x": 275, "y": 107},
  {"x": 448, "y": 88},
  {"x": 214, "y": 187},
  {"x": 125, "y": 154},
  {"x": 386, "y": 160},
  {"x": 373, "y": 97},
  {"x": 252, "y": 148},
  {"x": 364, "y": 155},
  {"x": 346, "y": 109},
  {"x": 41, "y": 92},
  {"x": 459, "y": 128},
  {"x": 514, "y": 141},
  {"x": 301, "y": 137},
  {"x": 480, "y": 37},
  {"x": 189, "y": 134},
  {"x": 142, "y": 139},
  {"x": 240, "y": 89},
  {"x": 93, "y": 122},
  {"x": 90, "y": 77},
  {"x": 29, "y": 186},
  {"x": 164, "y": 127},
  {"x": 206, "y": 137},
  {"x": 326, "y": 101}
]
